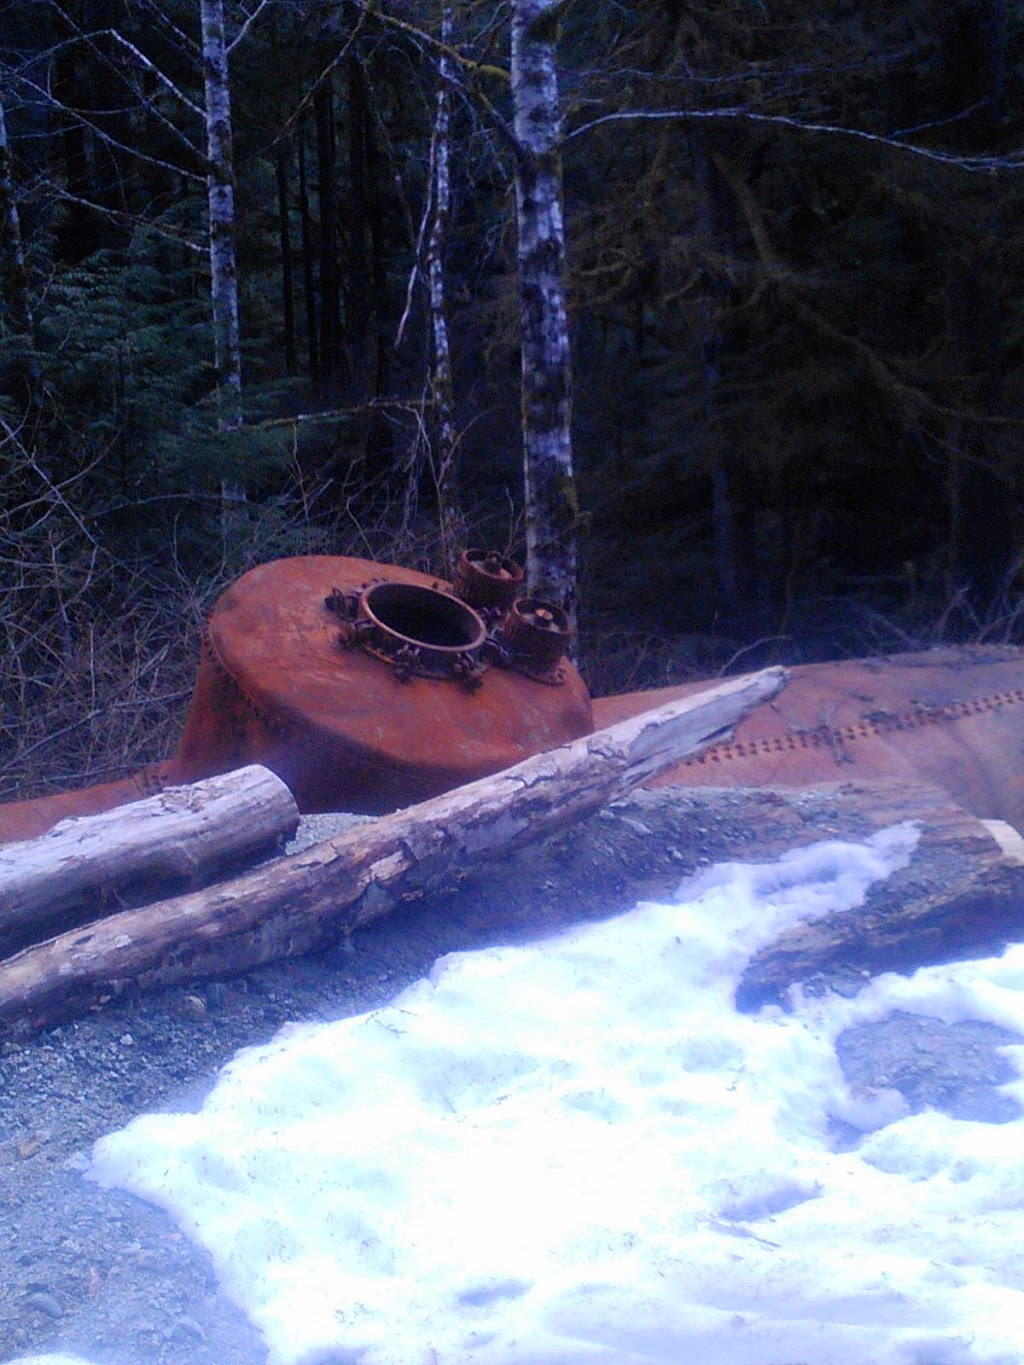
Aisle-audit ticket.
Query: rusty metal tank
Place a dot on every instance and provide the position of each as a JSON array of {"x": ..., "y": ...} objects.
[
  {"x": 949, "y": 717},
  {"x": 364, "y": 686},
  {"x": 368, "y": 687}
]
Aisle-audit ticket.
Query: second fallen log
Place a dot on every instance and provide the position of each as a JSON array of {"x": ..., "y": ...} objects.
[
  {"x": 960, "y": 895},
  {"x": 177, "y": 840},
  {"x": 291, "y": 905}
]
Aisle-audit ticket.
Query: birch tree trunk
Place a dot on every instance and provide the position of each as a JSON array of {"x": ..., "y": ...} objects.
[
  {"x": 15, "y": 274},
  {"x": 552, "y": 509},
  {"x": 221, "y": 200},
  {"x": 449, "y": 511}
]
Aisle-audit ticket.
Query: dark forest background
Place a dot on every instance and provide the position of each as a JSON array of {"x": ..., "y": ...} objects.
[{"x": 796, "y": 278}]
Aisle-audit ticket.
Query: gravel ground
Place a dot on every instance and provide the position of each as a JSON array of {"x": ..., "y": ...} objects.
[{"x": 101, "y": 1274}]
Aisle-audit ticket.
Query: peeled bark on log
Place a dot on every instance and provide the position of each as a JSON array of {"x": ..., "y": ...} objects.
[
  {"x": 960, "y": 896},
  {"x": 289, "y": 906},
  {"x": 178, "y": 840}
]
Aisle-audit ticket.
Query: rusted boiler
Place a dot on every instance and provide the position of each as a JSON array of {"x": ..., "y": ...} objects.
[
  {"x": 364, "y": 686},
  {"x": 368, "y": 687},
  {"x": 950, "y": 717}
]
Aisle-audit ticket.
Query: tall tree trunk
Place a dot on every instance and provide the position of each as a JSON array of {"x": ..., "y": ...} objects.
[
  {"x": 379, "y": 248},
  {"x": 223, "y": 263},
  {"x": 287, "y": 285},
  {"x": 985, "y": 533},
  {"x": 16, "y": 291},
  {"x": 72, "y": 84},
  {"x": 552, "y": 508},
  {"x": 221, "y": 199},
  {"x": 381, "y": 438},
  {"x": 308, "y": 274},
  {"x": 973, "y": 36},
  {"x": 14, "y": 273},
  {"x": 357, "y": 288},
  {"x": 330, "y": 308},
  {"x": 448, "y": 507},
  {"x": 713, "y": 221}
]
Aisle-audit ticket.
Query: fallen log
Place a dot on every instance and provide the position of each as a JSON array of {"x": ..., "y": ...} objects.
[
  {"x": 178, "y": 840},
  {"x": 960, "y": 896},
  {"x": 291, "y": 905}
]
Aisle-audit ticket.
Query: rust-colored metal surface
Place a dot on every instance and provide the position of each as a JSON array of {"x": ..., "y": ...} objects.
[
  {"x": 28, "y": 819},
  {"x": 343, "y": 726},
  {"x": 951, "y": 717},
  {"x": 368, "y": 687},
  {"x": 364, "y": 686}
]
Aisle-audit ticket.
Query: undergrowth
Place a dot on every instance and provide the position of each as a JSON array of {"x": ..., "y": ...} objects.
[{"x": 99, "y": 635}]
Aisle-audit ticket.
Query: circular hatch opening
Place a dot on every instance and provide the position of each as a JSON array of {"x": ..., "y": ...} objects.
[
  {"x": 423, "y": 616},
  {"x": 420, "y": 632}
]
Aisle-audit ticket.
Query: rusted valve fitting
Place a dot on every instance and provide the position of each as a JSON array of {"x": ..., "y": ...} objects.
[
  {"x": 421, "y": 632},
  {"x": 533, "y": 638},
  {"x": 487, "y": 581}
]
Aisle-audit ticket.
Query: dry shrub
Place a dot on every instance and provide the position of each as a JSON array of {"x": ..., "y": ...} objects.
[
  {"x": 98, "y": 648},
  {"x": 95, "y": 660}
]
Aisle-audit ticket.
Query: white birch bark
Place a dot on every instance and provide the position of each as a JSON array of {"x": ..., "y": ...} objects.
[
  {"x": 552, "y": 509},
  {"x": 449, "y": 512},
  {"x": 221, "y": 200}
]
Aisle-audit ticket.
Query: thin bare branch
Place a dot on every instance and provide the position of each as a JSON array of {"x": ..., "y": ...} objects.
[
  {"x": 138, "y": 56},
  {"x": 51, "y": 102},
  {"x": 976, "y": 164},
  {"x": 123, "y": 216},
  {"x": 250, "y": 19},
  {"x": 414, "y": 271}
]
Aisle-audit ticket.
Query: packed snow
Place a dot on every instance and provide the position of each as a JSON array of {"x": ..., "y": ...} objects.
[{"x": 578, "y": 1151}]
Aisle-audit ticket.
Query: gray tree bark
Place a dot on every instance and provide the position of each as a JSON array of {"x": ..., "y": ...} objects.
[
  {"x": 552, "y": 508},
  {"x": 221, "y": 200},
  {"x": 330, "y": 349},
  {"x": 308, "y": 286},
  {"x": 449, "y": 511}
]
